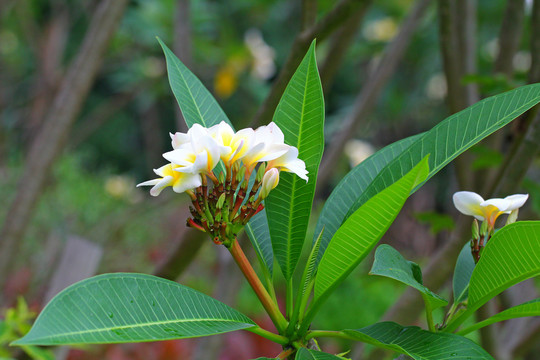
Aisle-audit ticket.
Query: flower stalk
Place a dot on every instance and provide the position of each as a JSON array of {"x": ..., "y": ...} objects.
[{"x": 251, "y": 276}]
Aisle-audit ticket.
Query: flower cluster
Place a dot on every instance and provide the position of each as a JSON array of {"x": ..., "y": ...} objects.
[
  {"x": 487, "y": 211},
  {"x": 226, "y": 208}
]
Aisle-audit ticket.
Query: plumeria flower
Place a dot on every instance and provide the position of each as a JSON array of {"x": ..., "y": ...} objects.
[
  {"x": 199, "y": 155},
  {"x": 179, "y": 181},
  {"x": 470, "y": 203},
  {"x": 270, "y": 145},
  {"x": 234, "y": 146},
  {"x": 291, "y": 163}
]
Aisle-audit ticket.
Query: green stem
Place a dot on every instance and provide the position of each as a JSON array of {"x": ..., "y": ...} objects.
[
  {"x": 266, "y": 300},
  {"x": 285, "y": 353},
  {"x": 290, "y": 297},
  {"x": 326, "y": 333},
  {"x": 429, "y": 313},
  {"x": 282, "y": 340}
]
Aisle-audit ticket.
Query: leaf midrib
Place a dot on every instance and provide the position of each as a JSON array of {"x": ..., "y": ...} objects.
[{"x": 155, "y": 323}]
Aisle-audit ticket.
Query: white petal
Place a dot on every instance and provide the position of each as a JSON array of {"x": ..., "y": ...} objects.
[
  {"x": 149, "y": 182},
  {"x": 162, "y": 184},
  {"x": 273, "y": 152},
  {"x": 468, "y": 203},
  {"x": 501, "y": 204},
  {"x": 182, "y": 156},
  {"x": 187, "y": 182},
  {"x": 161, "y": 171},
  {"x": 298, "y": 167},
  {"x": 516, "y": 201},
  {"x": 178, "y": 139}
]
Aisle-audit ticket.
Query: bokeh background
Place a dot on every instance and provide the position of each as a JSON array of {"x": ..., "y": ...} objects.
[{"x": 86, "y": 108}]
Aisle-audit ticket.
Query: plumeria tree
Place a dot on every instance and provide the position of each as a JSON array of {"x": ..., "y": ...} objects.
[{"x": 262, "y": 181}]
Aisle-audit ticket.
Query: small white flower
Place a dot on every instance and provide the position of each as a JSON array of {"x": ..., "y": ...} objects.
[
  {"x": 470, "y": 203},
  {"x": 269, "y": 181},
  {"x": 290, "y": 162},
  {"x": 268, "y": 145},
  {"x": 179, "y": 181},
  {"x": 198, "y": 155}
]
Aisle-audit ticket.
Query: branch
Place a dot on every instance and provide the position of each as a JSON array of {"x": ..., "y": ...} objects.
[
  {"x": 342, "y": 11},
  {"x": 340, "y": 43},
  {"x": 309, "y": 13},
  {"x": 510, "y": 36},
  {"x": 367, "y": 98},
  {"x": 50, "y": 141},
  {"x": 452, "y": 54},
  {"x": 182, "y": 47}
]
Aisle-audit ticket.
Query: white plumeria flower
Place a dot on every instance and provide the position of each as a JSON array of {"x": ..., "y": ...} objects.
[
  {"x": 291, "y": 163},
  {"x": 233, "y": 146},
  {"x": 199, "y": 155},
  {"x": 179, "y": 181},
  {"x": 269, "y": 181},
  {"x": 269, "y": 145},
  {"x": 470, "y": 203}
]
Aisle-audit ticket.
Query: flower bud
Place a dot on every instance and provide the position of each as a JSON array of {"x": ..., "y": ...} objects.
[
  {"x": 484, "y": 228},
  {"x": 220, "y": 201},
  {"x": 269, "y": 182},
  {"x": 221, "y": 177},
  {"x": 475, "y": 230},
  {"x": 240, "y": 174},
  {"x": 261, "y": 171},
  {"x": 512, "y": 217}
]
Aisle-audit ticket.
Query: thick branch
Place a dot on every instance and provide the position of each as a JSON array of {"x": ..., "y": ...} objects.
[
  {"x": 510, "y": 36},
  {"x": 182, "y": 47},
  {"x": 340, "y": 43},
  {"x": 320, "y": 30},
  {"x": 50, "y": 141},
  {"x": 367, "y": 98}
]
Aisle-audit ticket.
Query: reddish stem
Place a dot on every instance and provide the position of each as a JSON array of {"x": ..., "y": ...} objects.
[{"x": 251, "y": 276}]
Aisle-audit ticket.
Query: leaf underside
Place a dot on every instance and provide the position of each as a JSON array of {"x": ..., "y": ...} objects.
[
  {"x": 122, "y": 307},
  {"x": 419, "y": 344}
]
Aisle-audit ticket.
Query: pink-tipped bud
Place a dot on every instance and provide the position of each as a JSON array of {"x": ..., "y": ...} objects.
[{"x": 269, "y": 182}]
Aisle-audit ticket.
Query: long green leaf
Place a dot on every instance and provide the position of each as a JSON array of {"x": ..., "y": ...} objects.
[
  {"x": 118, "y": 308},
  {"x": 445, "y": 142},
  {"x": 462, "y": 274},
  {"x": 351, "y": 186},
  {"x": 361, "y": 232},
  {"x": 300, "y": 115},
  {"x": 417, "y": 343},
  {"x": 307, "y": 354},
  {"x": 530, "y": 308},
  {"x": 198, "y": 106},
  {"x": 390, "y": 263},
  {"x": 454, "y": 135},
  {"x": 511, "y": 256}
]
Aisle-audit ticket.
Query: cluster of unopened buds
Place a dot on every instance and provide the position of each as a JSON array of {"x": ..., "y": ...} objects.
[
  {"x": 486, "y": 211},
  {"x": 223, "y": 204}
]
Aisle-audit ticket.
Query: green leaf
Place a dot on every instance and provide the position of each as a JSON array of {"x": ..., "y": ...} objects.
[
  {"x": 510, "y": 256},
  {"x": 417, "y": 343},
  {"x": 351, "y": 186},
  {"x": 389, "y": 262},
  {"x": 259, "y": 235},
  {"x": 462, "y": 274},
  {"x": 445, "y": 142},
  {"x": 307, "y": 354},
  {"x": 198, "y": 106},
  {"x": 361, "y": 232},
  {"x": 121, "y": 307},
  {"x": 530, "y": 308},
  {"x": 300, "y": 115},
  {"x": 454, "y": 135}
]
